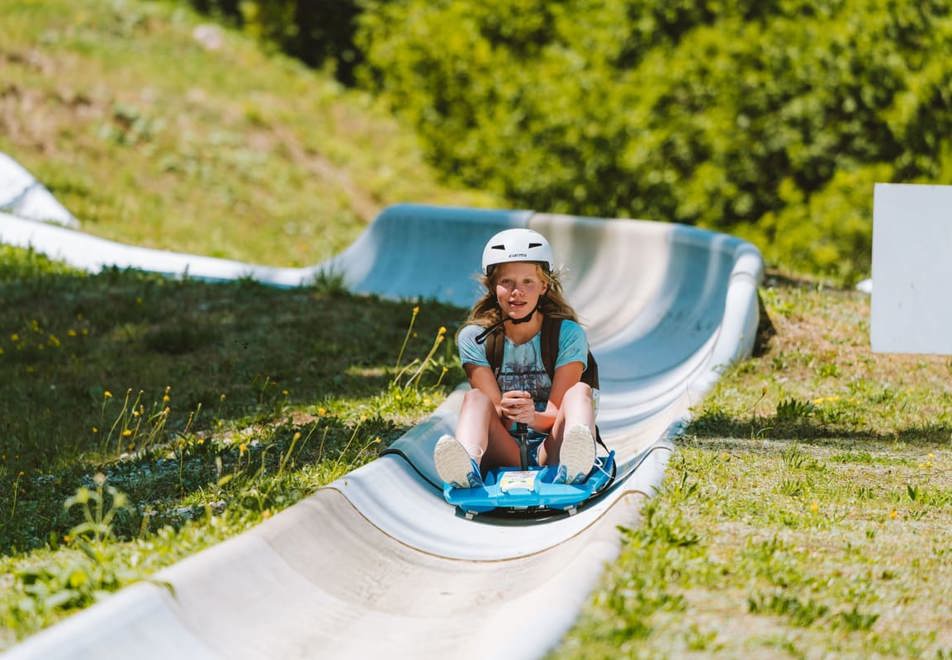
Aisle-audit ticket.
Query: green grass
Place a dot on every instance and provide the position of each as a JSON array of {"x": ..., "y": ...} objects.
[
  {"x": 150, "y": 138},
  {"x": 207, "y": 406},
  {"x": 807, "y": 511}
]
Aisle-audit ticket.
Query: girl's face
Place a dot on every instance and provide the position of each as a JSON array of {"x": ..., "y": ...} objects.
[{"x": 518, "y": 287}]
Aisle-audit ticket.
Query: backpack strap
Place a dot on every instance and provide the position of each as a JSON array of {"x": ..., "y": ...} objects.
[
  {"x": 495, "y": 343},
  {"x": 551, "y": 330}
]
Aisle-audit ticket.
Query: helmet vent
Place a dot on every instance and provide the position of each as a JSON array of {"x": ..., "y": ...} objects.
[
  {"x": 499, "y": 247},
  {"x": 532, "y": 245}
]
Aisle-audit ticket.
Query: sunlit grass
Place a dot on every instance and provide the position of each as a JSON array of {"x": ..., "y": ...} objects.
[
  {"x": 807, "y": 511},
  {"x": 151, "y": 138}
]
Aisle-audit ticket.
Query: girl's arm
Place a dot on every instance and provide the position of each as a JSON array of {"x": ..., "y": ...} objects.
[
  {"x": 482, "y": 378},
  {"x": 565, "y": 377}
]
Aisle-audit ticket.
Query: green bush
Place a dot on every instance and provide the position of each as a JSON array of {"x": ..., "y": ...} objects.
[
  {"x": 318, "y": 32},
  {"x": 768, "y": 118},
  {"x": 772, "y": 119}
]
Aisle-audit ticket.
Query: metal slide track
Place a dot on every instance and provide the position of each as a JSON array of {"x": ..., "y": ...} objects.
[{"x": 377, "y": 562}]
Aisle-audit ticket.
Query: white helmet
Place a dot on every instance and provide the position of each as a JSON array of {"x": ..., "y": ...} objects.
[{"x": 513, "y": 245}]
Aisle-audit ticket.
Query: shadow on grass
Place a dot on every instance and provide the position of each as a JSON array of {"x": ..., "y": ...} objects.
[
  {"x": 809, "y": 430},
  {"x": 241, "y": 355}
]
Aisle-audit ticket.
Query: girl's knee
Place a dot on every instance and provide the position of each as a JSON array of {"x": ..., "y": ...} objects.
[
  {"x": 580, "y": 391},
  {"x": 476, "y": 398}
]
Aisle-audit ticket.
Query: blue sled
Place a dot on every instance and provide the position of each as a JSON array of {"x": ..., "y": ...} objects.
[{"x": 532, "y": 489}]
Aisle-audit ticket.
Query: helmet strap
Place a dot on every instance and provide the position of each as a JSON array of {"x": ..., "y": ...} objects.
[
  {"x": 481, "y": 337},
  {"x": 527, "y": 317}
]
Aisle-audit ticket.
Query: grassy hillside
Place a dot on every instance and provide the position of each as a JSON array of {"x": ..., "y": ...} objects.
[
  {"x": 207, "y": 407},
  {"x": 193, "y": 411},
  {"x": 807, "y": 512},
  {"x": 156, "y": 128}
]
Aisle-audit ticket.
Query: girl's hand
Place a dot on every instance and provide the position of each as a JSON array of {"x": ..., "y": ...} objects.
[{"x": 518, "y": 406}]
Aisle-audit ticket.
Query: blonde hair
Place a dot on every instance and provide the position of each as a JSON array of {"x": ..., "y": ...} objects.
[{"x": 552, "y": 303}]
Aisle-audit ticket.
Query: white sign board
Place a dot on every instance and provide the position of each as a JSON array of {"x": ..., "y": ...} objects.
[{"x": 912, "y": 269}]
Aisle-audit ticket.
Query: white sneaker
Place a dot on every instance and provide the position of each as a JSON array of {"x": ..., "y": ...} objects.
[
  {"x": 576, "y": 455},
  {"x": 454, "y": 464}
]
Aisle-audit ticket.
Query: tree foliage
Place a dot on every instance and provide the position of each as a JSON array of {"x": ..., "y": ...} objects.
[
  {"x": 769, "y": 118},
  {"x": 318, "y": 32}
]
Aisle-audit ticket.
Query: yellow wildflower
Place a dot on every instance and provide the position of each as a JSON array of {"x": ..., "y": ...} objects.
[
  {"x": 322, "y": 411},
  {"x": 416, "y": 310},
  {"x": 14, "y": 337},
  {"x": 95, "y": 430},
  {"x": 242, "y": 448},
  {"x": 107, "y": 394},
  {"x": 893, "y": 514},
  {"x": 126, "y": 433},
  {"x": 166, "y": 398},
  {"x": 814, "y": 506},
  {"x": 71, "y": 333}
]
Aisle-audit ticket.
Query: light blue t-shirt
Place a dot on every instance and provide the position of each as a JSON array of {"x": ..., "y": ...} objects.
[{"x": 522, "y": 366}]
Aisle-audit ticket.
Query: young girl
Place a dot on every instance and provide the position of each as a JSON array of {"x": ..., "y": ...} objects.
[{"x": 521, "y": 288}]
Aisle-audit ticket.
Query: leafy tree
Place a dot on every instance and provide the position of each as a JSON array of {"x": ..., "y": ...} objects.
[
  {"x": 318, "y": 32},
  {"x": 773, "y": 119},
  {"x": 769, "y": 118}
]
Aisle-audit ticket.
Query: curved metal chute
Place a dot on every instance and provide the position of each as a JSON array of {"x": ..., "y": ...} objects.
[{"x": 377, "y": 561}]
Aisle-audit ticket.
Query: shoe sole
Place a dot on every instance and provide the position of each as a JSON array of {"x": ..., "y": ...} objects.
[
  {"x": 453, "y": 462},
  {"x": 577, "y": 453}
]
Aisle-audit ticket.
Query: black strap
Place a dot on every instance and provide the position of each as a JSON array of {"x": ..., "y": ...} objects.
[
  {"x": 551, "y": 332},
  {"x": 493, "y": 337},
  {"x": 482, "y": 336},
  {"x": 598, "y": 439},
  {"x": 495, "y": 343}
]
